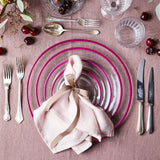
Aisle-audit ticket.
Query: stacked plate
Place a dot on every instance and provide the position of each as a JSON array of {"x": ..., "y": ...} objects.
[{"x": 104, "y": 75}]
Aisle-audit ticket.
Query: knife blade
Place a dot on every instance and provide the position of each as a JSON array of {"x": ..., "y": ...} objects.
[
  {"x": 140, "y": 96},
  {"x": 150, "y": 101}
]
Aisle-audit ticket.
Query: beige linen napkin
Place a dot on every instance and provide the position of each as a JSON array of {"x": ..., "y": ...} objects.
[{"x": 68, "y": 119}]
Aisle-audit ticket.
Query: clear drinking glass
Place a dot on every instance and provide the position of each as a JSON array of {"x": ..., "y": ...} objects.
[
  {"x": 129, "y": 32},
  {"x": 113, "y": 9}
]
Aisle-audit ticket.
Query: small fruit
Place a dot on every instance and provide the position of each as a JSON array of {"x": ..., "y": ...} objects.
[
  {"x": 63, "y": 5},
  {"x": 29, "y": 40},
  {"x": 35, "y": 31},
  {"x": 144, "y": 16},
  {"x": 158, "y": 52},
  {"x": 25, "y": 30},
  {"x": 2, "y": 51},
  {"x": 150, "y": 50},
  {"x": 62, "y": 9},
  {"x": 150, "y": 42}
]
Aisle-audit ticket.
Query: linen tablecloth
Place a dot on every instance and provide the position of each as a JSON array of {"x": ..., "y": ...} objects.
[{"x": 23, "y": 142}]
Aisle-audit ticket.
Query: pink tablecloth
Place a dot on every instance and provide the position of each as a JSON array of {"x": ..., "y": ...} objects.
[{"x": 23, "y": 142}]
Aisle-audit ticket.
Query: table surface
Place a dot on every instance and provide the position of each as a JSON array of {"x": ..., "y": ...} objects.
[{"x": 23, "y": 141}]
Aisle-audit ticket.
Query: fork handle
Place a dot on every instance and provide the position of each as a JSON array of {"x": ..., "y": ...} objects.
[
  {"x": 53, "y": 19},
  {"x": 19, "y": 114},
  {"x": 6, "y": 116}
]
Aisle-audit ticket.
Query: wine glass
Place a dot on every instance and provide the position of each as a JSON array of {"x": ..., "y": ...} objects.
[{"x": 113, "y": 9}]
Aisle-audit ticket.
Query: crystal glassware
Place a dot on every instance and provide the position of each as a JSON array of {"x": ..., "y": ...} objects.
[
  {"x": 129, "y": 32},
  {"x": 113, "y": 9},
  {"x": 56, "y": 7}
]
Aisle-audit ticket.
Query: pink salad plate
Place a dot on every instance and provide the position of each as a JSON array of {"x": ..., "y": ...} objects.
[{"x": 104, "y": 75}]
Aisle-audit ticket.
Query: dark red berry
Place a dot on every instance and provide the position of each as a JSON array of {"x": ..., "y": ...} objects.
[
  {"x": 62, "y": 9},
  {"x": 35, "y": 31},
  {"x": 25, "y": 30},
  {"x": 150, "y": 50},
  {"x": 158, "y": 52},
  {"x": 29, "y": 40},
  {"x": 68, "y": 5},
  {"x": 149, "y": 42},
  {"x": 2, "y": 51},
  {"x": 145, "y": 16}
]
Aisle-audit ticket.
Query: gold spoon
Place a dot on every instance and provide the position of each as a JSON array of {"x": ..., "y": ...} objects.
[{"x": 56, "y": 29}]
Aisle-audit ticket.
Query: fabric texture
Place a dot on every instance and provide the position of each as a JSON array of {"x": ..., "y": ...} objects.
[{"x": 92, "y": 120}]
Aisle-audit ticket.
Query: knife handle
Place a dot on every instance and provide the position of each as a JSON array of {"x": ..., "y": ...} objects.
[
  {"x": 150, "y": 119},
  {"x": 140, "y": 126}
]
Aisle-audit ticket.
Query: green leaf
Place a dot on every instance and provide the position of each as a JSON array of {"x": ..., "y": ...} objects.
[
  {"x": 3, "y": 23},
  {"x": 150, "y": 1},
  {"x": 26, "y": 17},
  {"x": 29, "y": 14},
  {"x": 20, "y": 5},
  {"x": 3, "y": 10},
  {"x": 3, "y": 16},
  {"x": 158, "y": 11}
]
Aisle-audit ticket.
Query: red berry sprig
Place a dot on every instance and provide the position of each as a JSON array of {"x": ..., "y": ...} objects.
[
  {"x": 29, "y": 40},
  {"x": 144, "y": 15},
  {"x": 34, "y": 31},
  {"x": 151, "y": 43},
  {"x": 63, "y": 5}
]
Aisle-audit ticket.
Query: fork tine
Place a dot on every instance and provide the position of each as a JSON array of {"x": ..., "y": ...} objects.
[
  {"x": 19, "y": 64},
  {"x": 91, "y": 23},
  {"x": 9, "y": 71},
  {"x": 6, "y": 71}
]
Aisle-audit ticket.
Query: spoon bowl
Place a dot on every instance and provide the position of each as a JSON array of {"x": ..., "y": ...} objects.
[{"x": 56, "y": 29}]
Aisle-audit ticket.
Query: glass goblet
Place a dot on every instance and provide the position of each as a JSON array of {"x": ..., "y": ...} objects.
[{"x": 114, "y": 9}]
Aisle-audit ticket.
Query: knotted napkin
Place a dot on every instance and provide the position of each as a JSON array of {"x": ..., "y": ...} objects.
[{"x": 68, "y": 119}]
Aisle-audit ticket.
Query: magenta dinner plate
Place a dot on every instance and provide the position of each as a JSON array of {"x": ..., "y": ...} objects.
[{"x": 104, "y": 74}]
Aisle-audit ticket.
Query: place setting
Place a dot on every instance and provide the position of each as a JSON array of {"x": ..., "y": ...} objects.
[{"x": 104, "y": 76}]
